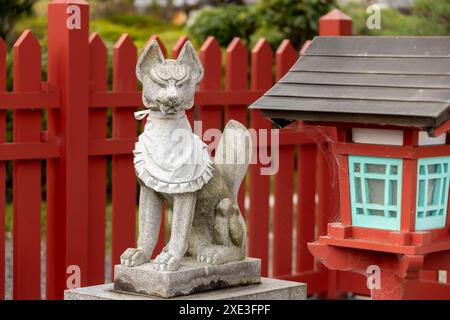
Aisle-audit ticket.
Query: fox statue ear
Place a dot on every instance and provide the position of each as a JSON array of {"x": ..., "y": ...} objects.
[
  {"x": 151, "y": 56},
  {"x": 189, "y": 57}
]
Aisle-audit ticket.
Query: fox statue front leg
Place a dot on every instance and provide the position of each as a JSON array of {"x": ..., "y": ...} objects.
[
  {"x": 183, "y": 213},
  {"x": 150, "y": 206}
]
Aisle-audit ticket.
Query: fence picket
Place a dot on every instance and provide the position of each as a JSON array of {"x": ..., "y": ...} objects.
[
  {"x": 123, "y": 177},
  {"x": 98, "y": 60},
  {"x": 284, "y": 181},
  {"x": 2, "y": 171},
  {"x": 258, "y": 218},
  {"x": 306, "y": 194},
  {"x": 27, "y": 174},
  {"x": 236, "y": 78},
  {"x": 210, "y": 116},
  {"x": 285, "y": 58}
]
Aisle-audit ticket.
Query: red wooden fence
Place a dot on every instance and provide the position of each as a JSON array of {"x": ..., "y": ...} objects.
[{"x": 76, "y": 147}]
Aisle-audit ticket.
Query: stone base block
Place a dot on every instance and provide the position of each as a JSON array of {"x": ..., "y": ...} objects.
[
  {"x": 192, "y": 277},
  {"x": 268, "y": 289}
]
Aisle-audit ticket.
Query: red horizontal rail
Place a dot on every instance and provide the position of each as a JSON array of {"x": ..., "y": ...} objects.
[
  {"x": 111, "y": 146},
  {"x": 28, "y": 150},
  {"x": 103, "y": 99},
  {"x": 47, "y": 98}
]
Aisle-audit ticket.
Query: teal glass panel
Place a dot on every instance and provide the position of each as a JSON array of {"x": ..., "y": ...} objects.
[
  {"x": 375, "y": 190},
  {"x": 432, "y": 192}
]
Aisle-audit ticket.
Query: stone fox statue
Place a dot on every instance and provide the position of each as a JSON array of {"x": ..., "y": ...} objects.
[{"x": 172, "y": 165}]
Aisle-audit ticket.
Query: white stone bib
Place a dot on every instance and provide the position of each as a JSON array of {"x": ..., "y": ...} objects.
[{"x": 169, "y": 157}]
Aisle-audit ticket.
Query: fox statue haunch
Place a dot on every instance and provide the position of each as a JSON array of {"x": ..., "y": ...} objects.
[{"x": 173, "y": 166}]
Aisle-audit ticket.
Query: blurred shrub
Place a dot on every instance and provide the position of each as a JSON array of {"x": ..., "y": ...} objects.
[
  {"x": 297, "y": 20},
  {"x": 224, "y": 23},
  {"x": 11, "y": 11},
  {"x": 275, "y": 20}
]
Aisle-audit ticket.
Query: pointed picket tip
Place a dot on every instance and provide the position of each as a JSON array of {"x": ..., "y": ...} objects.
[
  {"x": 27, "y": 41},
  {"x": 161, "y": 44},
  {"x": 236, "y": 46},
  {"x": 178, "y": 46},
  {"x": 125, "y": 42},
  {"x": 262, "y": 47},
  {"x": 210, "y": 45},
  {"x": 286, "y": 48},
  {"x": 335, "y": 14},
  {"x": 95, "y": 41},
  {"x": 305, "y": 46}
]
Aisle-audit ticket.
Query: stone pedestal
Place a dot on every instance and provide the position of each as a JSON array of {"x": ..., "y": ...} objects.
[
  {"x": 268, "y": 289},
  {"x": 192, "y": 277},
  {"x": 193, "y": 281}
]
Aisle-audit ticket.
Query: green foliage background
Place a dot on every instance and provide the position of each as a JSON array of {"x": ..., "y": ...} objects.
[{"x": 274, "y": 20}]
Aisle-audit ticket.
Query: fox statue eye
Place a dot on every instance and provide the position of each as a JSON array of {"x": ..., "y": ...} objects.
[{"x": 160, "y": 85}]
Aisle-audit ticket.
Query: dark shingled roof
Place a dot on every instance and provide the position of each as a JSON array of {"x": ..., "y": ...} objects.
[{"x": 403, "y": 81}]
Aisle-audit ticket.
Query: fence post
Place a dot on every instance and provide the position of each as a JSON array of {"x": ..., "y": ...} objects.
[
  {"x": 67, "y": 176},
  {"x": 334, "y": 23}
]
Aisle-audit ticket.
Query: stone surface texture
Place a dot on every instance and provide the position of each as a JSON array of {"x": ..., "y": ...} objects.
[
  {"x": 268, "y": 289},
  {"x": 190, "y": 278}
]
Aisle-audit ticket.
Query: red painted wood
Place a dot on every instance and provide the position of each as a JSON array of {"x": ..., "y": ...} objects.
[
  {"x": 335, "y": 23},
  {"x": 210, "y": 115},
  {"x": 236, "y": 78},
  {"x": 304, "y": 47},
  {"x": 374, "y": 150},
  {"x": 123, "y": 177},
  {"x": 67, "y": 177},
  {"x": 285, "y": 58},
  {"x": 178, "y": 46},
  {"x": 306, "y": 192},
  {"x": 409, "y": 188},
  {"x": 283, "y": 213},
  {"x": 258, "y": 219},
  {"x": 344, "y": 189},
  {"x": 2, "y": 171},
  {"x": 43, "y": 99},
  {"x": 27, "y": 175},
  {"x": 98, "y": 69}
]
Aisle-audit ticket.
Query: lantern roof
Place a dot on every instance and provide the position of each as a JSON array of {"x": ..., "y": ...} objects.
[{"x": 400, "y": 81}]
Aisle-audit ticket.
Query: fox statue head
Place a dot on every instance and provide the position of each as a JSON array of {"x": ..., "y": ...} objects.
[{"x": 169, "y": 85}]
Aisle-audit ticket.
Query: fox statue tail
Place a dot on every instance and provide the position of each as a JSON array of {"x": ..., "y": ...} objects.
[{"x": 233, "y": 155}]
